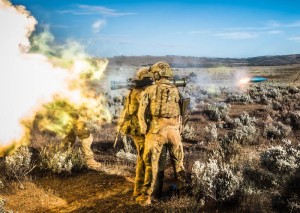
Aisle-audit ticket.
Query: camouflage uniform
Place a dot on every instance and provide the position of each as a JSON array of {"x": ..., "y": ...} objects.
[
  {"x": 129, "y": 125},
  {"x": 81, "y": 132},
  {"x": 163, "y": 101}
]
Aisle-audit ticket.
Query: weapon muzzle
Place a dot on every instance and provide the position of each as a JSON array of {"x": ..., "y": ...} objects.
[
  {"x": 114, "y": 85},
  {"x": 178, "y": 82}
]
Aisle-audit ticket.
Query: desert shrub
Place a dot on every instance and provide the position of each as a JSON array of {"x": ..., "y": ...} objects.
[
  {"x": 273, "y": 92},
  {"x": 243, "y": 134},
  {"x": 1, "y": 185},
  {"x": 278, "y": 165},
  {"x": 243, "y": 120},
  {"x": 246, "y": 120},
  {"x": 59, "y": 160},
  {"x": 264, "y": 100},
  {"x": 258, "y": 178},
  {"x": 254, "y": 92},
  {"x": 189, "y": 133},
  {"x": 276, "y": 105},
  {"x": 18, "y": 164},
  {"x": 229, "y": 147},
  {"x": 217, "y": 111},
  {"x": 215, "y": 181},
  {"x": 243, "y": 129},
  {"x": 293, "y": 89},
  {"x": 239, "y": 98},
  {"x": 294, "y": 118},
  {"x": 212, "y": 132},
  {"x": 266, "y": 92},
  {"x": 279, "y": 159},
  {"x": 2, "y": 208},
  {"x": 289, "y": 199},
  {"x": 126, "y": 156},
  {"x": 194, "y": 93},
  {"x": 231, "y": 123},
  {"x": 116, "y": 104},
  {"x": 276, "y": 130},
  {"x": 128, "y": 152}
]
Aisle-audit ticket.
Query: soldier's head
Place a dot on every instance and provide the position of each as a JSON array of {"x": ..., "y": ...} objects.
[
  {"x": 143, "y": 72},
  {"x": 161, "y": 70}
]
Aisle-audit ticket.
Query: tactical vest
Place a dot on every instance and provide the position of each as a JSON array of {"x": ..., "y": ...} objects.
[{"x": 165, "y": 102}]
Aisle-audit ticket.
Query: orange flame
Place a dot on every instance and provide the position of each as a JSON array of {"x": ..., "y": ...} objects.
[{"x": 244, "y": 81}]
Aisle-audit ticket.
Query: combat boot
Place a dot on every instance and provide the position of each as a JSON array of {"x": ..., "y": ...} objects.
[
  {"x": 136, "y": 193},
  {"x": 94, "y": 165},
  {"x": 144, "y": 200},
  {"x": 181, "y": 183}
]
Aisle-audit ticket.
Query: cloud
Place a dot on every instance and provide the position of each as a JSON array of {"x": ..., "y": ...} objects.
[
  {"x": 273, "y": 24},
  {"x": 276, "y": 24},
  {"x": 82, "y": 9},
  {"x": 297, "y": 38},
  {"x": 237, "y": 35},
  {"x": 98, "y": 25},
  {"x": 273, "y": 32},
  {"x": 294, "y": 24},
  {"x": 198, "y": 32}
]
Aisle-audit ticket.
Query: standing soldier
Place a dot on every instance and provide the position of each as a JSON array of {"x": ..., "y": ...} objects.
[
  {"x": 129, "y": 125},
  {"x": 162, "y": 99}
]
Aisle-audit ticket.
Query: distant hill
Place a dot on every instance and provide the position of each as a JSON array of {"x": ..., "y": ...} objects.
[{"x": 200, "y": 62}]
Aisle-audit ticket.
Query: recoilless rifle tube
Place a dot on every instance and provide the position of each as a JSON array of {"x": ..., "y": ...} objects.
[{"x": 130, "y": 83}]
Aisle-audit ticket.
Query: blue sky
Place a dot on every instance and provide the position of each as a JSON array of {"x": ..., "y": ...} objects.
[{"x": 215, "y": 28}]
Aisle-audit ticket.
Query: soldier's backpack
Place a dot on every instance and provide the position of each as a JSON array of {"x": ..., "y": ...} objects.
[{"x": 166, "y": 101}]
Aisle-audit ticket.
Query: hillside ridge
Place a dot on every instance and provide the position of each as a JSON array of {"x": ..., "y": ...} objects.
[{"x": 201, "y": 62}]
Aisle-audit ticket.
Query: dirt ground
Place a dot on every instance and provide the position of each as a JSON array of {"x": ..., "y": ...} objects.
[{"x": 86, "y": 192}]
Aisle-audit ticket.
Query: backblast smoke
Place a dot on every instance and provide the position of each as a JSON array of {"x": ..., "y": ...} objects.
[{"x": 37, "y": 77}]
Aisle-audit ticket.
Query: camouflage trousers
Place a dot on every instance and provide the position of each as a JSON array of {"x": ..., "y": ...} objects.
[
  {"x": 154, "y": 143},
  {"x": 139, "y": 142},
  {"x": 85, "y": 143}
]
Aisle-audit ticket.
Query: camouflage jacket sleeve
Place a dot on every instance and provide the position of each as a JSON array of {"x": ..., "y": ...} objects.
[
  {"x": 124, "y": 111},
  {"x": 142, "y": 110}
]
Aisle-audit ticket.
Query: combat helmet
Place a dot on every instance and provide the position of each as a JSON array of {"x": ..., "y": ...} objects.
[
  {"x": 163, "y": 69},
  {"x": 143, "y": 72}
]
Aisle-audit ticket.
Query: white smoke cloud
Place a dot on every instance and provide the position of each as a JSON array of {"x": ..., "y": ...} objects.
[
  {"x": 98, "y": 25},
  {"x": 32, "y": 74},
  {"x": 25, "y": 79}
]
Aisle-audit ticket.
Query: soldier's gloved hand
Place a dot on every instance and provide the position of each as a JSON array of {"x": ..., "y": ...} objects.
[{"x": 143, "y": 129}]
